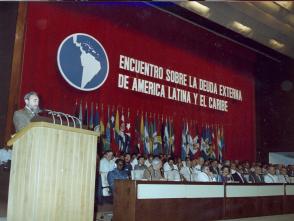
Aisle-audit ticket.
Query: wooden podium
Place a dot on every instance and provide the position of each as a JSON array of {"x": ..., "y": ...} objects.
[{"x": 52, "y": 174}]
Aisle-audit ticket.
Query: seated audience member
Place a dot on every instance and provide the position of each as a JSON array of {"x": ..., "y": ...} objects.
[
  {"x": 264, "y": 169},
  {"x": 196, "y": 165},
  {"x": 283, "y": 176},
  {"x": 137, "y": 173},
  {"x": 246, "y": 168},
  {"x": 117, "y": 174},
  {"x": 106, "y": 164},
  {"x": 278, "y": 168},
  {"x": 214, "y": 168},
  {"x": 225, "y": 176},
  {"x": 141, "y": 164},
  {"x": 237, "y": 174},
  {"x": 256, "y": 176},
  {"x": 205, "y": 175},
  {"x": 290, "y": 170},
  {"x": 128, "y": 167},
  {"x": 185, "y": 170},
  {"x": 271, "y": 176},
  {"x": 171, "y": 171},
  {"x": 154, "y": 171},
  {"x": 134, "y": 160}
]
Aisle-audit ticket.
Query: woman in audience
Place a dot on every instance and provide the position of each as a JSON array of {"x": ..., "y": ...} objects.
[{"x": 225, "y": 176}]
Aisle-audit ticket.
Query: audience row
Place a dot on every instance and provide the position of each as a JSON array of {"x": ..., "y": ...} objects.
[{"x": 138, "y": 167}]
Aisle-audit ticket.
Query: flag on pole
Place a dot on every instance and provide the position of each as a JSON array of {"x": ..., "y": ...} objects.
[
  {"x": 81, "y": 113},
  {"x": 205, "y": 143},
  {"x": 96, "y": 120},
  {"x": 195, "y": 151},
  {"x": 107, "y": 131},
  {"x": 86, "y": 117},
  {"x": 120, "y": 133},
  {"x": 222, "y": 144},
  {"x": 137, "y": 135},
  {"x": 91, "y": 123},
  {"x": 159, "y": 137},
  {"x": 172, "y": 137},
  {"x": 76, "y": 109},
  {"x": 127, "y": 148},
  {"x": 212, "y": 144},
  {"x": 146, "y": 137},
  {"x": 155, "y": 147},
  {"x": 102, "y": 127},
  {"x": 151, "y": 131},
  {"x": 184, "y": 150},
  {"x": 166, "y": 137},
  {"x": 142, "y": 133}
]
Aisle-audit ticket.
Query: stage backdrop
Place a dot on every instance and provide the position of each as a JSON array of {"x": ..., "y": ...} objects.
[{"x": 191, "y": 75}]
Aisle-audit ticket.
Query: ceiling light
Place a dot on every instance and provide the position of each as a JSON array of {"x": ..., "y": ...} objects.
[
  {"x": 243, "y": 29},
  {"x": 268, "y": 6},
  {"x": 196, "y": 7},
  {"x": 276, "y": 44},
  {"x": 285, "y": 4}
]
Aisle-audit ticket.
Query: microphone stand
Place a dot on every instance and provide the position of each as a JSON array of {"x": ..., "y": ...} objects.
[
  {"x": 52, "y": 114},
  {"x": 60, "y": 118},
  {"x": 149, "y": 173},
  {"x": 80, "y": 122},
  {"x": 65, "y": 115}
]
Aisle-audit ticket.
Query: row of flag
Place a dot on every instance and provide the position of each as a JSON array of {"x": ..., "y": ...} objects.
[
  {"x": 150, "y": 134},
  {"x": 206, "y": 141}
]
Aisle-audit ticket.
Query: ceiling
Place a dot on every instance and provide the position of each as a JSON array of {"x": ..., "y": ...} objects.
[{"x": 270, "y": 23}]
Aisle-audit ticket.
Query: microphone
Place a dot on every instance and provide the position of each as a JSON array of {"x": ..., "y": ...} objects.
[
  {"x": 73, "y": 120},
  {"x": 60, "y": 115},
  {"x": 60, "y": 118},
  {"x": 65, "y": 115},
  {"x": 149, "y": 174}
]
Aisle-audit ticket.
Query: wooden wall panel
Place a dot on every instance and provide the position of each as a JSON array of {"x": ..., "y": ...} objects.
[{"x": 16, "y": 70}]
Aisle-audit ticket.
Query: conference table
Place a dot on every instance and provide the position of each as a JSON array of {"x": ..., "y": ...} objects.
[{"x": 185, "y": 201}]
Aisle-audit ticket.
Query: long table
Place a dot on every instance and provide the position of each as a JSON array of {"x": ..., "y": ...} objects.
[{"x": 178, "y": 201}]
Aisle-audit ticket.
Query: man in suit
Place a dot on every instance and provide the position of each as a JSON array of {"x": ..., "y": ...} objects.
[
  {"x": 256, "y": 176},
  {"x": 22, "y": 118},
  {"x": 237, "y": 174},
  {"x": 271, "y": 176}
]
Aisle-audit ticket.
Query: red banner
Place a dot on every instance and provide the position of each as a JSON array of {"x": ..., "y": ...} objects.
[{"x": 192, "y": 59}]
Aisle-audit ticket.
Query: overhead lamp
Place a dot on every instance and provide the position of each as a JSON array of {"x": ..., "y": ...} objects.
[
  {"x": 290, "y": 18},
  {"x": 285, "y": 4},
  {"x": 196, "y": 7},
  {"x": 269, "y": 6},
  {"x": 276, "y": 44},
  {"x": 239, "y": 27}
]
